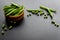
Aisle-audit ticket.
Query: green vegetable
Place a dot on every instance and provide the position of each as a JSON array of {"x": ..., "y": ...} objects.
[
  {"x": 6, "y": 7},
  {"x": 43, "y": 7},
  {"x": 10, "y": 27},
  {"x": 15, "y": 5},
  {"x": 34, "y": 11},
  {"x": 53, "y": 22},
  {"x": 37, "y": 14},
  {"x": 5, "y": 29},
  {"x": 48, "y": 10},
  {"x": 19, "y": 12},
  {"x": 57, "y": 25},
  {"x": 3, "y": 26},
  {"x": 10, "y": 12},
  {"x": 29, "y": 14},
  {"x": 45, "y": 17},
  {"x": 41, "y": 12},
  {"x": 50, "y": 14},
  {"x": 2, "y": 32},
  {"x": 29, "y": 10}
]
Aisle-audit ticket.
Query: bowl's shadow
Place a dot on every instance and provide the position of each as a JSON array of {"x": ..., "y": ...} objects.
[{"x": 8, "y": 22}]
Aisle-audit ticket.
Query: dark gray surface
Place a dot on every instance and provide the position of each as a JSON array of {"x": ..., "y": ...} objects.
[{"x": 34, "y": 27}]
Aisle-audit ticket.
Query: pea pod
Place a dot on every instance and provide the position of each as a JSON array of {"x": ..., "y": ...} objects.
[
  {"x": 15, "y": 5},
  {"x": 5, "y": 8},
  {"x": 50, "y": 13},
  {"x": 10, "y": 12},
  {"x": 52, "y": 10},
  {"x": 19, "y": 12},
  {"x": 34, "y": 11},
  {"x": 43, "y": 7},
  {"x": 48, "y": 10},
  {"x": 41, "y": 12}
]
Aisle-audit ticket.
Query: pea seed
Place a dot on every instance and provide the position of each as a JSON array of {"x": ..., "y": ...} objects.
[
  {"x": 37, "y": 14},
  {"x": 41, "y": 13},
  {"x": 3, "y": 26},
  {"x": 5, "y": 29},
  {"x": 45, "y": 15},
  {"x": 10, "y": 27},
  {"x": 29, "y": 14},
  {"x": 2, "y": 32},
  {"x": 53, "y": 22},
  {"x": 33, "y": 12},
  {"x": 57, "y": 25}
]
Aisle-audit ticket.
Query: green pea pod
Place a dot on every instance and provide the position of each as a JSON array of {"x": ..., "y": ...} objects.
[
  {"x": 29, "y": 10},
  {"x": 5, "y": 8},
  {"x": 17, "y": 10},
  {"x": 50, "y": 13},
  {"x": 10, "y": 12},
  {"x": 43, "y": 7},
  {"x": 15, "y": 5}
]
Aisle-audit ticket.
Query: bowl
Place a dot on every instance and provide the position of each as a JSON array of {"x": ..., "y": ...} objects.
[{"x": 16, "y": 18}]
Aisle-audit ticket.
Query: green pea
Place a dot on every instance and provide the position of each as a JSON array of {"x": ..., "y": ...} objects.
[
  {"x": 53, "y": 22},
  {"x": 57, "y": 25},
  {"x": 5, "y": 29},
  {"x": 2, "y": 32},
  {"x": 10, "y": 27},
  {"x": 3, "y": 26},
  {"x": 37, "y": 14},
  {"x": 45, "y": 17},
  {"x": 41, "y": 12},
  {"x": 29, "y": 14}
]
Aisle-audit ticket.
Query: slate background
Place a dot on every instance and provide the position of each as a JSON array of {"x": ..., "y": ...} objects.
[{"x": 34, "y": 27}]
